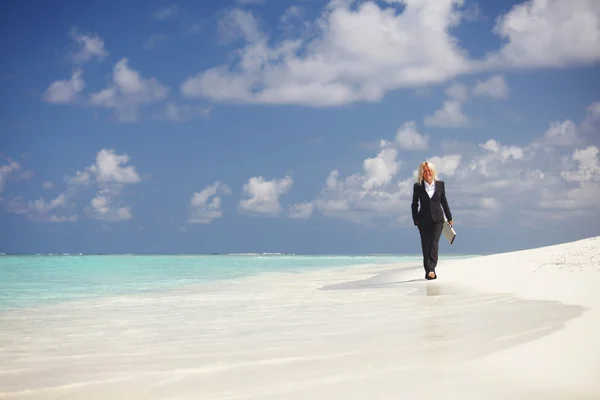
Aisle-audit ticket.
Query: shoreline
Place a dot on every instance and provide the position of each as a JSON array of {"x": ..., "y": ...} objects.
[{"x": 511, "y": 325}]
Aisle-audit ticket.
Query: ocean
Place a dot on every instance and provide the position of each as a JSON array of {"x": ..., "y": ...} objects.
[
  {"x": 209, "y": 326},
  {"x": 37, "y": 280}
]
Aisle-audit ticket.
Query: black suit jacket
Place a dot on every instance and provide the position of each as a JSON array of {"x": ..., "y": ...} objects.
[{"x": 431, "y": 209}]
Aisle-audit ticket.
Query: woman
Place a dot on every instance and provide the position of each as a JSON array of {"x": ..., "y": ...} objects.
[{"x": 431, "y": 193}]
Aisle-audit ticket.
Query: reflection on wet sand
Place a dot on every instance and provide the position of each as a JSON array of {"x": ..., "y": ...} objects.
[{"x": 452, "y": 321}]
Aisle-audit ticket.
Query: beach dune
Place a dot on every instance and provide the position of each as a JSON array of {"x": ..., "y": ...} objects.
[{"x": 519, "y": 325}]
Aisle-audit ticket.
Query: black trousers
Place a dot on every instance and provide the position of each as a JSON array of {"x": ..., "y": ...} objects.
[{"x": 430, "y": 238}]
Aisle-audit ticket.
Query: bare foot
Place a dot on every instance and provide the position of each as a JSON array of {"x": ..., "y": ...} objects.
[{"x": 431, "y": 274}]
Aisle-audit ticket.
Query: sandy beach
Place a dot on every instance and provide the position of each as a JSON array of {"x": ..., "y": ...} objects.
[{"x": 519, "y": 325}]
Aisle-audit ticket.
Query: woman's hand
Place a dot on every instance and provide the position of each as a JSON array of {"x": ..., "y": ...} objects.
[{"x": 450, "y": 223}]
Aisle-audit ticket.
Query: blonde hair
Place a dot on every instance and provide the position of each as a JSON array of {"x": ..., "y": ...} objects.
[{"x": 420, "y": 173}]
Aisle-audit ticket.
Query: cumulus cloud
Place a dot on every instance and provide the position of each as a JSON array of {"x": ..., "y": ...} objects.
[
  {"x": 359, "y": 51},
  {"x": 301, "y": 210},
  {"x": 371, "y": 193},
  {"x": 503, "y": 152},
  {"x": 111, "y": 175},
  {"x": 292, "y": 13},
  {"x": 445, "y": 165},
  {"x": 104, "y": 207},
  {"x": 408, "y": 137},
  {"x": 80, "y": 178},
  {"x": 65, "y": 91},
  {"x": 528, "y": 184},
  {"x": 205, "y": 206},
  {"x": 379, "y": 170},
  {"x": 591, "y": 123},
  {"x": 128, "y": 92},
  {"x": 351, "y": 55},
  {"x": 562, "y": 133},
  {"x": 239, "y": 24},
  {"x": 91, "y": 45},
  {"x": 588, "y": 166},
  {"x": 450, "y": 115},
  {"x": 261, "y": 196},
  {"x": 41, "y": 210},
  {"x": 495, "y": 87},
  {"x": 6, "y": 171},
  {"x": 110, "y": 167},
  {"x": 549, "y": 33},
  {"x": 577, "y": 194}
]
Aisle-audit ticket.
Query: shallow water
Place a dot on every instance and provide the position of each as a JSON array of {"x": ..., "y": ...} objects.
[
  {"x": 27, "y": 281},
  {"x": 270, "y": 336}
]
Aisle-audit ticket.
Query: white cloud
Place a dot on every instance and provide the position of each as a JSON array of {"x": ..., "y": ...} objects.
[
  {"x": 589, "y": 166},
  {"x": 549, "y": 33},
  {"x": 445, "y": 165},
  {"x": 563, "y": 133},
  {"x": 569, "y": 203},
  {"x": 64, "y": 91},
  {"x": 504, "y": 152},
  {"x": 380, "y": 170},
  {"x": 111, "y": 174},
  {"x": 239, "y": 24},
  {"x": 449, "y": 116},
  {"x": 128, "y": 92},
  {"x": 301, "y": 210},
  {"x": 291, "y": 13},
  {"x": 359, "y": 51},
  {"x": 109, "y": 168},
  {"x": 577, "y": 196},
  {"x": 485, "y": 183},
  {"x": 6, "y": 171},
  {"x": 591, "y": 123},
  {"x": 103, "y": 207},
  {"x": 351, "y": 199},
  {"x": 360, "y": 197},
  {"x": 351, "y": 55},
  {"x": 408, "y": 138},
  {"x": 495, "y": 87},
  {"x": 80, "y": 178},
  {"x": 41, "y": 206},
  {"x": 166, "y": 12},
  {"x": 92, "y": 46},
  {"x": 40, "y": 210},
  {"x": 262, "y": 196},
  {"x": 63, "y": 218},
  {"x": 201, "y": 210}
]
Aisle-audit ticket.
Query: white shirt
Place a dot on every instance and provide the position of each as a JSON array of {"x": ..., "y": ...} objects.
[{"x": 430, "y": 189}]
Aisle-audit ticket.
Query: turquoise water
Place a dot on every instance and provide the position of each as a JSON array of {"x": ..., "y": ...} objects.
[{"x": 33, "y": 280}]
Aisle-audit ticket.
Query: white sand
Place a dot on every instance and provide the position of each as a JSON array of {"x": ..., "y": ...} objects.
[{"x": 522, "y": 325}]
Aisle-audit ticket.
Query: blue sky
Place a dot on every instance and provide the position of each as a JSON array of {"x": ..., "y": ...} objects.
[{"x": 296, "y": 126}]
